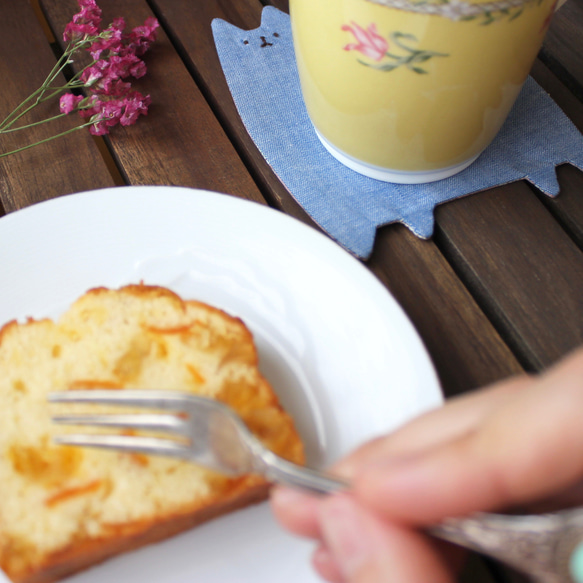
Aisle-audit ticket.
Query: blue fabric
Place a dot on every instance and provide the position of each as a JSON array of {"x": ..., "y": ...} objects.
[{"x": 260, "y": 69}]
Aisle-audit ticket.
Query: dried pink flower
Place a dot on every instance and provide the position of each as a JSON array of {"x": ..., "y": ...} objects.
[
  {"x": 85, "y": 23},
  {"x": 106, "y": 113},
  {"x": 142, "y": 37},
  {"x": 94, "y": 73},
  {"x": 116, "y": 54},
  {"x": 69, "y": 102},
  {"x": 109, "y": 98},
  {"x": 110, "y": 40},
  {"x": 135, "y": 105},
  {"x": 75, "y": 32}
]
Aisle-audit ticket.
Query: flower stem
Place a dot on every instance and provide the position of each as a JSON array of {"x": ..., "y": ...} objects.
[
  {"x": 46, "y": 140},
  {"x": 38, "y": 96},
  {"x": 30, "y": 125},
  {"x": 14, "y": 115},
  {"x": 10, "y": 118}
]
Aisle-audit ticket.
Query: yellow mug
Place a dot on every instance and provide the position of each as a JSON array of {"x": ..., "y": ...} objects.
[{"x": 413, "y": 91}]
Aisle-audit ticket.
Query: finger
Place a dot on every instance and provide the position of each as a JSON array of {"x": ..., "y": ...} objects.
[
  {"x": 458, "y": 417},
  {"x": 368, "y": 550},
  {"x": 296, "y": 511},
  {"x": 527, "y": 449},
  {"x": 325, "y": 565},
  {"x": 567, "y": 498}
]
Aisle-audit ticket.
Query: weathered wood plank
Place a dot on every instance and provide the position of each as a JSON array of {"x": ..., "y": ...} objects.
[
  {"x": 190, "y": 26},
  {"x": 521, "y": 263},
  {"x": 467, "y": 351},
  {"x": 567, "y": 207},
  {"x": 180, "y": 142},
  {"x": 68, "y": 164},
  {"x": 526, "y": 273},
  {"x": 563, "y": 47}
]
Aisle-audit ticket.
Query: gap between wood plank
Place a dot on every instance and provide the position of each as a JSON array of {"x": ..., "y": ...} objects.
[
  {"x": 43, "y": 21},
  {"x": 218, "y": 111},
  {"x": 561, "y": 72}
]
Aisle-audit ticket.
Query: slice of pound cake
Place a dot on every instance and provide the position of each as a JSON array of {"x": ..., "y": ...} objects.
[{"x": 63, "y": 508}]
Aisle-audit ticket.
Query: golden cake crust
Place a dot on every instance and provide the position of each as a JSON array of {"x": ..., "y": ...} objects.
[{"x": 64, "y": 509}]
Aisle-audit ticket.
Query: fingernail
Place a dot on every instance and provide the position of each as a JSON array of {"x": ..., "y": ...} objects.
[{"x": 344, "y": 533}]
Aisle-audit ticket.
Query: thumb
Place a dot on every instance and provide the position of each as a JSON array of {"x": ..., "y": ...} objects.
[
  {"x": 364, "y": 549},
  {"x": 529, "y": 448}
]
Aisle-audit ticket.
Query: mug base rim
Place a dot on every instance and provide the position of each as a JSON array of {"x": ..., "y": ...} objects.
[{"x": 389, "y": 175}]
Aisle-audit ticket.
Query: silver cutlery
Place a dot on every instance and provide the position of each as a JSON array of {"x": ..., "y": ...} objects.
[{"x": 209, "y": 433}]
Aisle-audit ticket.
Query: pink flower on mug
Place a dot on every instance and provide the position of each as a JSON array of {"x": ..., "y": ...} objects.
[
  {"x": 369, "y": 42},
  {"x": 372, "y": 45}
]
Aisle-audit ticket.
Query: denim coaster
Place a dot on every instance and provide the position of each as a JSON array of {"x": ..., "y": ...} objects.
[{"x": 260, "y": 69}]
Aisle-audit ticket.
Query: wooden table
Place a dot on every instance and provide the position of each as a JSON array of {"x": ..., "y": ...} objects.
[{"x": 498, "y": 290}]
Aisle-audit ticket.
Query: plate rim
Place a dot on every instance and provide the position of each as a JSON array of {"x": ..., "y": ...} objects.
[{"x": 14, "y": 219}]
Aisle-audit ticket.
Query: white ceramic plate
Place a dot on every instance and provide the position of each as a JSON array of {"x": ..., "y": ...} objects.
[{"x": 343, "y": 357}]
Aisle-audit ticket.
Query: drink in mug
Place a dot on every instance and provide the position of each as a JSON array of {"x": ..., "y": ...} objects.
[{"x": 413, "y": 92}]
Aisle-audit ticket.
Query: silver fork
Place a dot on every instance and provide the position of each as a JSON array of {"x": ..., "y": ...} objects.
[{"x": 211, "y": 434}]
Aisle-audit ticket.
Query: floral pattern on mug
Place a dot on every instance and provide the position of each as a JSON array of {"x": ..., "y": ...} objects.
[
  {"x": 374, "y": 46},
  {"x": 369, "y": 42}
]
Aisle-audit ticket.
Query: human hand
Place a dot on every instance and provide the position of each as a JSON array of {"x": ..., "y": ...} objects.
[{"x": 519, "y": 442}]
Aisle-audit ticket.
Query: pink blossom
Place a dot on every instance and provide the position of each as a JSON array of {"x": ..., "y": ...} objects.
[
  {"x": 90, "y": 12},
  {"x": 107, "y": 112},
  {"x": 98, "y": 128},
  {"x": 110, "y": 67},
  {"x": 141, "y": 37},
  {"x": 90, "y": 108},
  {"x": 85, "y": 23},
  {"x": 108, "y": 99},
  {"x": 69, "y": 102},
  {"x": 110, "y": 40},
  {"x": 121, "y": 66},
  {"x": 369, "y": 42},
  {"x": 118, "y": 23},
  {"x": 75, "y": 32},
  {"x": 88, "y": 4},
  {"x": 116, "y": 88},
  {"x": 107, "y": 116},
  {"x": 135, "y": 105},
  {"x": 137, "y": 69},
  {"x": 88, "y": 15},
  {"x": 111, "y": 111},
  {"x": 95, "y": 72},
  {"x": 102, "y": 76},
  {"x": 116, "y": 56}
]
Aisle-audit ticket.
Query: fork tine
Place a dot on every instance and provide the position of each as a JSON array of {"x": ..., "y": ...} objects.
[
  {"x": 127, "y": 398},
  {"x": 127, "y": 443},
  {"x": 146, "y": 422}
]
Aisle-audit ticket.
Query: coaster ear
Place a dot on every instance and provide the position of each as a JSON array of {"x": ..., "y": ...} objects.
[{"x": 274, "y": 25}]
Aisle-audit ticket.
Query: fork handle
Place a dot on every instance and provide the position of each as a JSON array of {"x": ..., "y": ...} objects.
[
  {"x": 284, "y": 472},
  {"x": 547, "y": 547}
]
